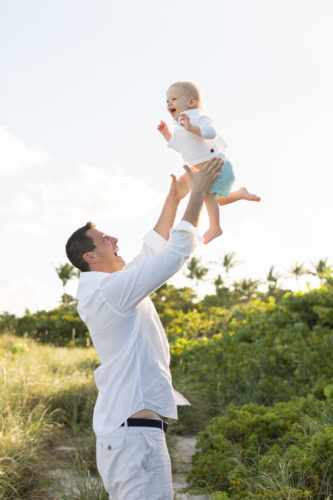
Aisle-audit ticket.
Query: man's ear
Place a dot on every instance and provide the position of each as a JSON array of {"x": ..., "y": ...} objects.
[
  {"x": 192, "y": 102},
  {"x": 89, "y": 258}
]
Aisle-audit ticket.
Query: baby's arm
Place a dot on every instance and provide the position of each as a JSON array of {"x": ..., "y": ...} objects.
[
  {"x": 186, "y": 123},
  {"x": 164, "y": 129},
  {"x": 205, "y": 128}
]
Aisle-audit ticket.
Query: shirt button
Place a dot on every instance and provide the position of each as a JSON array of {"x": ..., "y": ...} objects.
[
  {"x": 109, "y": 447},
  {"x": 212, "y": 150}
]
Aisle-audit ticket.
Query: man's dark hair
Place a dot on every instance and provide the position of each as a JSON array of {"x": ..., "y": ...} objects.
[{"x": 78, "y": 244}]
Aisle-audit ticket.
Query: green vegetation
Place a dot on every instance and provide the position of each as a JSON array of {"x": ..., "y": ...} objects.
[
  {"x": 256, "y": 366},
  {"x": 46, "y": 398},
  {"x": 281, "y": 451}
]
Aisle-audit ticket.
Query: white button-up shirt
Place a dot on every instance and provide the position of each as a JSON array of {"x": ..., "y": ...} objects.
[
  {"x": 195, "y": 149},
  {"x": 127, "y": 333}
]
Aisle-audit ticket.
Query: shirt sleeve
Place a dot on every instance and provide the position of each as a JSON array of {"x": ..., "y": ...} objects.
[
  {"x": 124, "y": 290},
  {"x": 152, "y": 243},
  {"x": 206, "y": 127}
]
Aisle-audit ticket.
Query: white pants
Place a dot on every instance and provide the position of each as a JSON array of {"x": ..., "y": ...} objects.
[{"x": 134, "y": 464}]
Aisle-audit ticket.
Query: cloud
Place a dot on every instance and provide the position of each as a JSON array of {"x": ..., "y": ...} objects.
[
  {"x": 39, "y": 217},
  {"x": 89, "y": 192},
  {"x": 16, "y": 156},
  {"x": 92, "y": 193}
]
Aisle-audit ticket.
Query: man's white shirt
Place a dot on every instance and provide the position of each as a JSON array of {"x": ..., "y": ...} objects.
[{"x": 127, "y": 333}]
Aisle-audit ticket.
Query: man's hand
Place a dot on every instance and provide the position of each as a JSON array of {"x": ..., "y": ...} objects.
[
  {"x": 202, "y": 181},
  {"x": 179, "y": 187},
  {"x": 164, "y": 129}
]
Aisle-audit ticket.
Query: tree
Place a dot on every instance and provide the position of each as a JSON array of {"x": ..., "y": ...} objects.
[
  {"x": 322, "y": 270},
  {"x": 297, "y": 270},
  {"x": 272, "y": 280},
  {"x": 218, "y": 283},
  {"x": 65, "y": 273},
  {"x": 229, "y": 261},
  {"x": 196, "y": 271},
  {"x": 246, "y": 289}
]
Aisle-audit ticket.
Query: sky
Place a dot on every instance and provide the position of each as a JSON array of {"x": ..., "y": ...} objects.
[{"x": 82, "y": 89}]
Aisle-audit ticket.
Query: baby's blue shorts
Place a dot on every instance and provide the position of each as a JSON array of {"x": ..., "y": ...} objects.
[{"x": 224, "y": 182}]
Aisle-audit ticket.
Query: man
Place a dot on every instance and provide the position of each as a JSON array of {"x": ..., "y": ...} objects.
[{"x": 135, "y": 393}]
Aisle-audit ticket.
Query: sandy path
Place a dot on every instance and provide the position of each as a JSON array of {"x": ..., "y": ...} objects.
[{"x": 181, "y": 451}]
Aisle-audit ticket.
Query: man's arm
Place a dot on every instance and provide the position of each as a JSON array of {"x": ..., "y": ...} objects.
[
  {"x": 178, "y": 190},
  {"x": 125, "y": 290},
  {"x": 200, "y": 184}
]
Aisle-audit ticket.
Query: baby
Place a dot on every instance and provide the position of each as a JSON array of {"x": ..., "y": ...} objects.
[{"x": 195, "y": 138}]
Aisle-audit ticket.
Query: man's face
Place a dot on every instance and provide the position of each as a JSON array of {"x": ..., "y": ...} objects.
[{"x": 106, "y": 251}]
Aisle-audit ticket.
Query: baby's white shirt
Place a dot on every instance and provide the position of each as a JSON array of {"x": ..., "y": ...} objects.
[{"x": 195, "y": 149}]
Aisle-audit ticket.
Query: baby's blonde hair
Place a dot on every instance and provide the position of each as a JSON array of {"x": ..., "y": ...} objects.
[{"x": 191, "y": 89}]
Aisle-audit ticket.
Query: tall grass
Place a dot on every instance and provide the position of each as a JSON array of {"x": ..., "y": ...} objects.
[{"x": 46, "y": 396}]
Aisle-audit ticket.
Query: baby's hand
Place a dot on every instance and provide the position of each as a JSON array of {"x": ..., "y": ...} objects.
[
  {"x": 164, "y": 129},
  {"x": 185, "y": 121}
]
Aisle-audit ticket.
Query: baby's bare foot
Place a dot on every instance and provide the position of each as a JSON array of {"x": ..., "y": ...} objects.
[
  {"x": 240, "y": 194},
  {"x": 213, "y": 232},
  {"x": 245, "y": 195}
]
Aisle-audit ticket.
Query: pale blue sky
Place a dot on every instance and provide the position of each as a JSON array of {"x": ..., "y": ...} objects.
[{"x": 82, "y": 89}]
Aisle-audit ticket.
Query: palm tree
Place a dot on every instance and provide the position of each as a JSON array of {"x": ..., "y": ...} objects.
[
  {"x": 196, "y": 271},
  {"x": 298, "y": 270},
  {"x": 229, "y": 261},
  {"x": 246, "y": 289},
  {"x": 218, "y": 282},
  {"x": 322, "y": 269},
  {"x": 272, "y": 280},
  {"x": 65, "y": 273}
]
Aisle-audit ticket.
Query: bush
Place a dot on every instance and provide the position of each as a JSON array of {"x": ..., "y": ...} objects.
[
  {"x": 267, "y": 353},
  {"x": 60, "y": 327},
  {"x": 253, "y": 451}
]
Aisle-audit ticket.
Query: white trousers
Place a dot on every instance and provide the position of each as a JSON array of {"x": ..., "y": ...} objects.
[{"x": 134, "y": 464}]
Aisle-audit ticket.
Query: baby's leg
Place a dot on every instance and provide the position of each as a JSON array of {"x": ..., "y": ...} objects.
[
  {"x": 241, "y": 194},
  {"x": 214, "y": 218}
]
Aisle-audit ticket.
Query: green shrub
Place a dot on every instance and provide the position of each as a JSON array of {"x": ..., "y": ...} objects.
[
  {"x": 255, "y": 451},
  {"x": 60, "y": 327},
  {"x": 267, "y": 353}
]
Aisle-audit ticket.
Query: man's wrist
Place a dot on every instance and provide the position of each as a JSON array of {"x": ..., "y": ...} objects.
[
  {"x": 198, "y": 195},
  {"x": 173, "y": 198}
]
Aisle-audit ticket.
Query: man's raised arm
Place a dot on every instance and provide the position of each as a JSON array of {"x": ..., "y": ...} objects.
[
  {"x": 200, "y": 184},
  {"x": 178, "y": 190}
]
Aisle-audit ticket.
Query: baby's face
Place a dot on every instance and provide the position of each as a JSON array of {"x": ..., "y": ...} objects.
[{"x": 177, "y": 101}]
